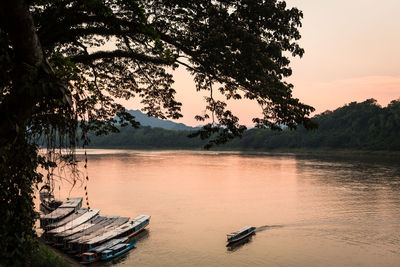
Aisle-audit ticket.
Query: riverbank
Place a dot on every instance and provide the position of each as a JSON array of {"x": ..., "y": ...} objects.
[
  {"x": 298, "y": 151},
  {"x": 49, "y": 256}
]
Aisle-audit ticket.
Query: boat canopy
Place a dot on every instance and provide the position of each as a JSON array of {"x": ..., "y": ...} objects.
[
  {"x": 67, "y": 219},
  {"x": 109, "y": 244},
  {"x": 76, "y": 222},
  {"x": 71, "y": 203},
  {"x": 57, "y": 213},
  {"x": 66, "y": 208},
  {"x": 119, "y": 230},
  {"x": 244, "y": 229}
]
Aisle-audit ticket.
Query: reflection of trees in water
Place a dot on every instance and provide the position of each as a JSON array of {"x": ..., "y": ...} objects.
[{"x": 362, "y": 172}]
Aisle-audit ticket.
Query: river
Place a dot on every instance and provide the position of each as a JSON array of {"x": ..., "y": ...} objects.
[{"x": 309, "y": 210}]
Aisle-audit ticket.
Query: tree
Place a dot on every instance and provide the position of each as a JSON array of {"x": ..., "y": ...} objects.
[{"x": 63, "y": 64}]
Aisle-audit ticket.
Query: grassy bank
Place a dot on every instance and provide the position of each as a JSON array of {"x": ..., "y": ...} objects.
[{"x": 45, "y": 256}]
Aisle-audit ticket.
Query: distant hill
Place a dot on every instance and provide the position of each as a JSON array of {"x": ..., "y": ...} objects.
[
  {"x": 158, "y": 123},
  {"x": 355, "y": 126}
]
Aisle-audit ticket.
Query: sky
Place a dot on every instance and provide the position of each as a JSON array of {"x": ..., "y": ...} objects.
[{"x": 352, "y": 54}]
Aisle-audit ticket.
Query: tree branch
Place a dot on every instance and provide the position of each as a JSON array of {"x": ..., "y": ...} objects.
[{"x": 83, "y": 58}]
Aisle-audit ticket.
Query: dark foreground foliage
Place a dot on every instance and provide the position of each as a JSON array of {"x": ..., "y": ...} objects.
[{"x": 64, "y": 63}]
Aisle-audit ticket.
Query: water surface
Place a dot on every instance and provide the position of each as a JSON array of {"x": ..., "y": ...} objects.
[{"x": 311, "y": 211}]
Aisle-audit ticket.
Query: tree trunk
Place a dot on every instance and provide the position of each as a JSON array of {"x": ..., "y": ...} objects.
[{"x": 16, "y": 108}]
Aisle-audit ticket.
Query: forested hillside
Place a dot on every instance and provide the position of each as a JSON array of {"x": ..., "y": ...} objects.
[{"x": 361, "y": 126}]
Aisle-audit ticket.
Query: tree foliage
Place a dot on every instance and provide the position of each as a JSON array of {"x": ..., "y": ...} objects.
[
  {"x": 356, "y": 126},
  {"x": 63, "y": 63}
]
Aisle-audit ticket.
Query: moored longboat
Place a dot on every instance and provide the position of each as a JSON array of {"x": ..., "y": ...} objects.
[
  {"x": 75, "y": 246},
  {"x": 109, "y": 220},
  {"x": 65, "y": 209},
  {"x": 116, "y": 251},
  {"x": 66, "y": 219},
  {"x": 94, "y": 254},
  {"x": 128, "y": 229},
  {"x": 74, "y": 223},
  {"x": 89, "y": 231},
  {"x": 48, "y": 203},
  {"x": 60, "y": 237}
]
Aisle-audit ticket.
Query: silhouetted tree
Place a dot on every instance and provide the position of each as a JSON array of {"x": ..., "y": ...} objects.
[{"x": 63, "y": 62}]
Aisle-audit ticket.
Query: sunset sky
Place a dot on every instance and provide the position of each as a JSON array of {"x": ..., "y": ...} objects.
[{"x": 352, "y": 53}]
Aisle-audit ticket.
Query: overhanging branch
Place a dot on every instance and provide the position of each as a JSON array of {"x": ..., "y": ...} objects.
[{"x": 87, "y": 58}]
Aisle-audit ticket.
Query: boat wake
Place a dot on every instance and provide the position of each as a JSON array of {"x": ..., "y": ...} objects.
[{"x": 265, "y": 227}]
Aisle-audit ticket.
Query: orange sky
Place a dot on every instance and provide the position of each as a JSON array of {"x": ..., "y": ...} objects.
[{"x": 352, "y": 53}]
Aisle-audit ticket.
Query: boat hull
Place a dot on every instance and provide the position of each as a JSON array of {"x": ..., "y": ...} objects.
[
  {"x": 241, "y": 236},
  {"x": 126, "y": 249}
]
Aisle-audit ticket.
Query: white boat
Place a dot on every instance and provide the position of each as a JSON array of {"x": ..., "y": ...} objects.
[{"x": 240, "y": 234}]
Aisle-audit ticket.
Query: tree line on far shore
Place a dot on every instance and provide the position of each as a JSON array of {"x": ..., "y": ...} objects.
[{"x": 358, "y": 126}]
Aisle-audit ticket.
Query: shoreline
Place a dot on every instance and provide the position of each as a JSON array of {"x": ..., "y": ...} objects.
[
  {"x": 68, "y": 259},
  {"x": 296, "y": 151}
]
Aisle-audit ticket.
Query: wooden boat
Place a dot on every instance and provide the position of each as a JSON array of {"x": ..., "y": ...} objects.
[
  {"x": 75, "y": 245},
  {"x": 59, "y": 237},
  {"x": 95, "y": 220},
  {"x": 240, "y": 234},
  {"x": 68, "y": 207},
  {"x": 128, "y": 229},
  {"x": 66, "y": 219},
  {"x": 109, "y": 244},
  {"x": 47, "y": 201},
  {"x": 66, "y": 241},
  {"x": 116, "y": 250},
  {"x": 87, "y": 232},
  {"x": 94, "y": 254},
  {"x": 74, "y": 223}
]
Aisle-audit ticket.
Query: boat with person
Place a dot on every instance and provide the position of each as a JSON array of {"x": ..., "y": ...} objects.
[{"x": 240, "y": 234}]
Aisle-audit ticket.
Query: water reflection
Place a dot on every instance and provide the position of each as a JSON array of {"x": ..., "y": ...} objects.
[
  {"x": 235, "y": 246},
  {"x": 314, "y": 210},
  {"x": 142, "y": 236}
]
